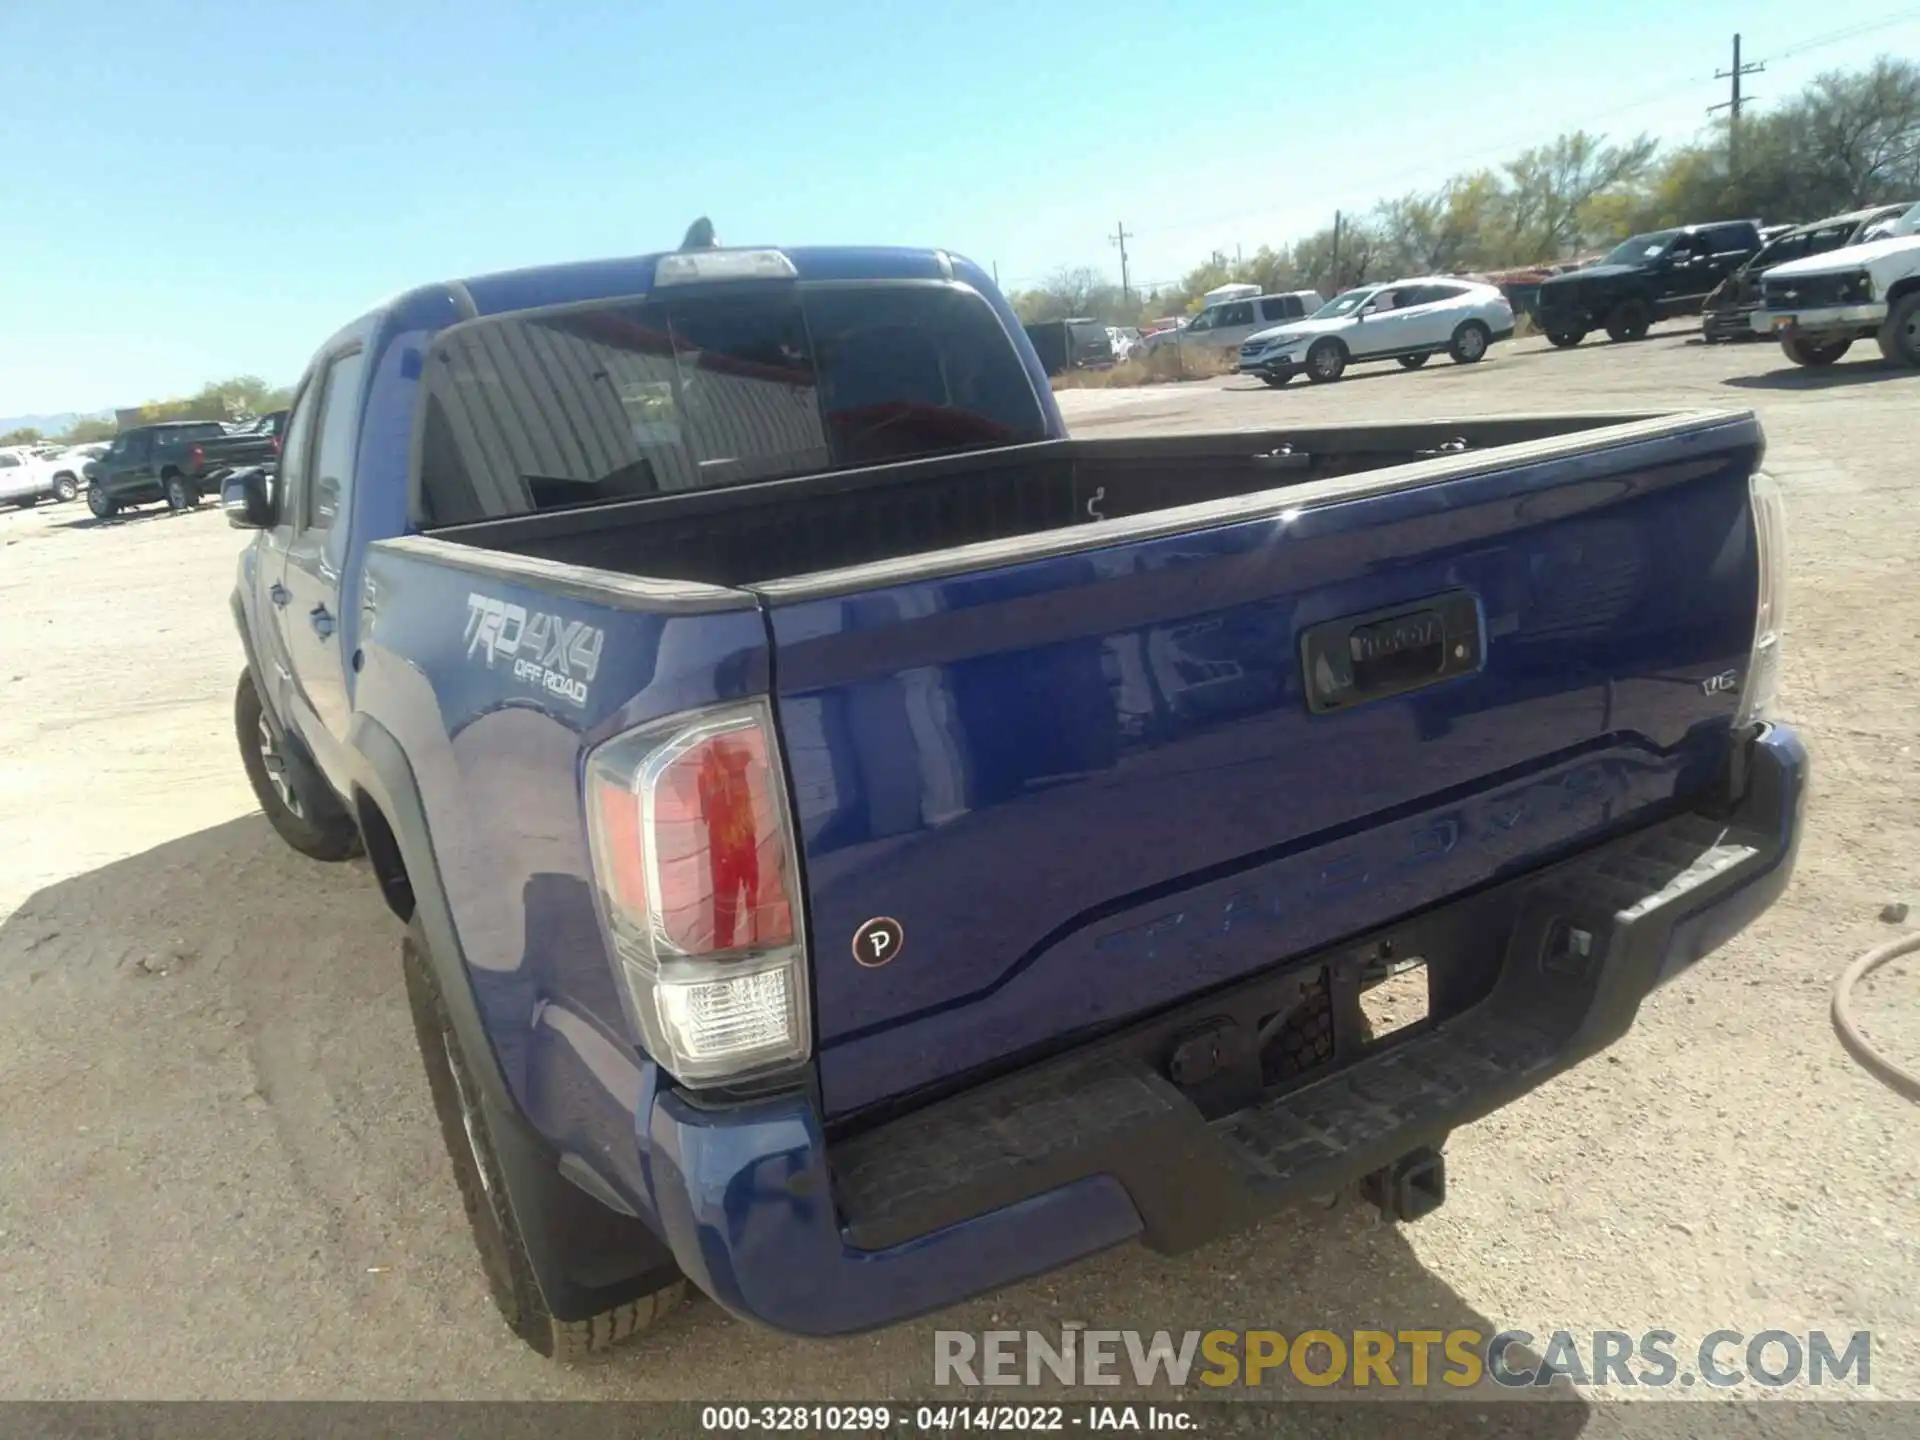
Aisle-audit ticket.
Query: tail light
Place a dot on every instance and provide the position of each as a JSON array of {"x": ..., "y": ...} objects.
[
  {"x": 693, "y": 856},
  {"x": 276, "y": 442},
  {"x": 196, "y": 455},
  {"x": 1770, "y": 612}
]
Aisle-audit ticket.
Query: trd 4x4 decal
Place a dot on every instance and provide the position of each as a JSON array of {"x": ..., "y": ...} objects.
[{"x": 557, "y": 655}]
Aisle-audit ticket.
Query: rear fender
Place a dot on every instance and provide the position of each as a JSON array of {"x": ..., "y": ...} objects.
[{"x": 587, "y": 1256}]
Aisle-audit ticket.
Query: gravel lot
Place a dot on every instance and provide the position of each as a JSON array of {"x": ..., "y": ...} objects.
[{"x": 222, "y": 1174}]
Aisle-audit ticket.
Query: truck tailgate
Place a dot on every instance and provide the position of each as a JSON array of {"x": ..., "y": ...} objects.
[{"x": 1093, "y": 783}]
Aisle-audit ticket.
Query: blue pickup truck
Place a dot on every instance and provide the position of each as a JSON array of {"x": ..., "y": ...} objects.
[{"x": 860, "y": 846}]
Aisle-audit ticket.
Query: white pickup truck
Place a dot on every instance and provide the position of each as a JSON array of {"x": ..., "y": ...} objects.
[{"x": 1819, "y": 306}]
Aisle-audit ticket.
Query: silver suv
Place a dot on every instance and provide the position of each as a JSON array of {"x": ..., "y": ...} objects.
[{"x": 1224, "y": 324}]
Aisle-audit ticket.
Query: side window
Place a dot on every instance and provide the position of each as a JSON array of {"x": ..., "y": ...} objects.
[
  {"x": 1205, "y": 320},
  {"x": 9, "y": 462},
  {"x": 289, "y": 476},
  {"x": 139, "y": 445},
  {"x": 331, "y": 475},
  {"x": 1277, "y": 308}
]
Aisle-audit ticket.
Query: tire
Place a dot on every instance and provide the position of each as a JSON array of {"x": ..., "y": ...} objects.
[
  {"x": 1413, "y": 362},
  {"x": 65, "y": 487},
  {"x": 1298, "y": 1042},
  {"x": 182, "y": 494},
  {"x": 26, "y": 502},
  {"x": 1899, "y": 335},
  {"x": 1630, "y": 320},
  {"x": 1326, "y": 362},
  {"x": 1565, "y": 339},
  {"x": 97, "y": 501},
  {"x": 1278, "y": 381},
  {"x": 1469, "y": 343},
  {"x": 1815, "y": 354},
  {"x": 323, "y": 838},
  {"x": 478, "y": 1173}
]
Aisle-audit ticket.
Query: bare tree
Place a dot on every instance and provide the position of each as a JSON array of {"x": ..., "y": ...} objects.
[
  {"x": 1550, "y": 188},
  {"x": 1863, "y": 129},
  {"x": 1071, "y": 291},
  {"x": 1442, "y": 231}
]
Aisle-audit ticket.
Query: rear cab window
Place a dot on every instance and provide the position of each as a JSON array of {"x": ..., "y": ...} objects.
[{"x": 668, "y": 394}]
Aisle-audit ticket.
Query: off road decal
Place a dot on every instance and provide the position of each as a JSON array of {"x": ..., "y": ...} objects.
[{"x": 548, "y": 652}]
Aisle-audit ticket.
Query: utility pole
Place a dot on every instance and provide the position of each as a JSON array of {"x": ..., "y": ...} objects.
[
  {"x": 1334, "y": 279},
  {"x": 996, "y": 274},
  {"x": 1733, "y": 103},
  {"x": 1120, "y": 237}
]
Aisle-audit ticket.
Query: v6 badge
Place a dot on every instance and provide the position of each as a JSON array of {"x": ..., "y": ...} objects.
[{"x": 878, "y": 941}]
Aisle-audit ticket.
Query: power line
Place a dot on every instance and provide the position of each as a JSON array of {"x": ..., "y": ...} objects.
[{"x": 1732, "y": 104}]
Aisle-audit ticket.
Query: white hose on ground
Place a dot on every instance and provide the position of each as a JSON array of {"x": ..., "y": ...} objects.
[{"x": 1897, "y": 1078}]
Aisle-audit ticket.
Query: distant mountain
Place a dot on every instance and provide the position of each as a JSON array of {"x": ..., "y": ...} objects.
[{"x": 50, "y": 424}]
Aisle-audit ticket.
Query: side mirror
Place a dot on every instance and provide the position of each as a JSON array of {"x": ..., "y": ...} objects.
[{"x": 245, "y": 500}]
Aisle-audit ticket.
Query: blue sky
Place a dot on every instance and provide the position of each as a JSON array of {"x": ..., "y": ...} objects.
[{"x": 202, "y": 189}]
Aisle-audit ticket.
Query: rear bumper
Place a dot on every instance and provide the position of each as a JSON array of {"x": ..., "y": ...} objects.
[{"x": 1096, "y": 1147}]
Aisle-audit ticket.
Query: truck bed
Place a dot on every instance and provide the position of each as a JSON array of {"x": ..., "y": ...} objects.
[{"x": 758, "y": 534}]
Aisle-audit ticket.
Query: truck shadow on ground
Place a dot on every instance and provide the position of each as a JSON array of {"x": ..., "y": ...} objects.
[
  {"x": 271, "y": 985},
  {"x": 87, "y": 520},
  {"x": 1865, "y": 372}
]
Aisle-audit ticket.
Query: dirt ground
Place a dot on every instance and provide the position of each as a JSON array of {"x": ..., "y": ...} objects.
[{"x": 221, "y": 1174}]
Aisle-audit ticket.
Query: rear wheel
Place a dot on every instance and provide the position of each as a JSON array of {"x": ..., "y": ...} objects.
[
  {"x": 182, "y": 494},
  {"x": 1326, "y": 362},
  {"x": 1899, "y": 336},
  {"x": 1470, "y": 341},
  {"x": 321, "y": 837},
  {"x": 1814, "y": 353},
  {"x": 1413, "y": 362},
  {"x": 481, "y": 1178},
  {"x": 99, "y": 503},
  {"x": 1565, "y": 339},
  {"x": 65, "y": 487},
  {"x": 1277, "y": 381},
  {"x": 1630, "y": 320}
]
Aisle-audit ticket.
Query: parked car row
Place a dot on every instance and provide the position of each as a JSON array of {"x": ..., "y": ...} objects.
[
  {"x": 1817, "y": 307},
  {"x": 179, "y": 462},
  {"x": 1729, "y": 310}
]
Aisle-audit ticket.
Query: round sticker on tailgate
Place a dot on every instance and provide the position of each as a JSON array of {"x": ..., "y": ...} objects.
[{"x": 878, "y": 941}]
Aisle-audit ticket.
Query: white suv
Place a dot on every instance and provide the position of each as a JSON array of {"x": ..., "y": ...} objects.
[
  {"x": 1225, "y": 323},
  {"x": 1406, "y": 320},
  {"x": 1819, "y": 306}
]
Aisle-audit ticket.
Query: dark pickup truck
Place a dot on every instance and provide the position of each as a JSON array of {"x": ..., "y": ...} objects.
[
  {"x": 150, "y": 463},
  {"x": 859, "y": 846},
  {"x": 1648, "y": 278},
  {"x": 179, "y": 462}
]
